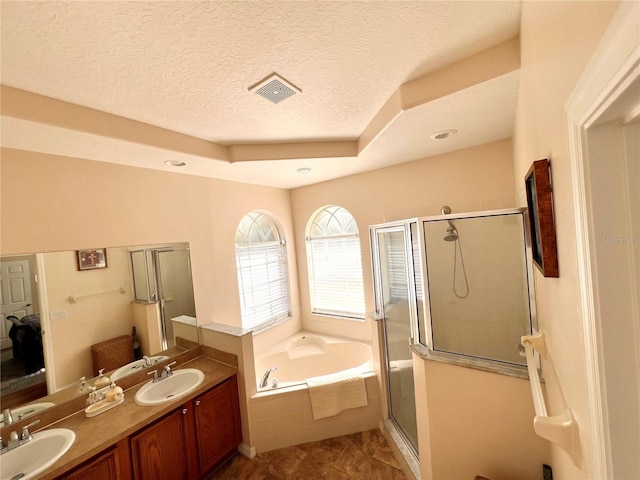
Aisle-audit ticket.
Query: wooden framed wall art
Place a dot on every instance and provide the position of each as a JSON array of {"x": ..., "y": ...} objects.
[
  {"x": 542, "y": 226},
  {"x": 92, "y": 259}
]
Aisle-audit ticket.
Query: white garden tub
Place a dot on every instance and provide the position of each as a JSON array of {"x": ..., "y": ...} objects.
[{"x": 305, "y": 355}]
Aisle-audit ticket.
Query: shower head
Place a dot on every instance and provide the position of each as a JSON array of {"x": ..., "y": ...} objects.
[
  {"x": 452, "y": 234},
  {"x": 452, "y": 231}
]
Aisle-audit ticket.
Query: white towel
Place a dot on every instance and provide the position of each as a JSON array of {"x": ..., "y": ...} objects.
[
  {"x": 401, "y": 372},
  {"x": 333, "y": 393}
]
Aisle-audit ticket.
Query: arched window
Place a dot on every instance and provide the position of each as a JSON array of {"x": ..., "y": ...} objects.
[
  {"x": 335, "y": 265},
  {"x": 261, "y": 261}
]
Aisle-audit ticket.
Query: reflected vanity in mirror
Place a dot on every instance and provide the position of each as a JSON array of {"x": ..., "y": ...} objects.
[{"x": 148, "y": 304}]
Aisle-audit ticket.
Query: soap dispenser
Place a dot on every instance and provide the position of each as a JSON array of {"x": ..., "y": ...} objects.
[{"x": 102, "y": 381}]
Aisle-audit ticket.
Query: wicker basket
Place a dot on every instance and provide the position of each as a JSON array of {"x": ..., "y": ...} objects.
[{"x": 112, "y": 354}]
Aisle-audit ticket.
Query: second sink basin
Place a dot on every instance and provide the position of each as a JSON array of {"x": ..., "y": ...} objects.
[
  {"x": 28, "y": 410},
  {"x": 180, "y": 383},
  {"x": 133, "y": 367},
  {"x": 30, "y": 459}
]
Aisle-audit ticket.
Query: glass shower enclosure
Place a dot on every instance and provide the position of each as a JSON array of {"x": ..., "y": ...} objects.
[
  {"x": 459, "y": 288},
  {"x": 397, "y": 290}
]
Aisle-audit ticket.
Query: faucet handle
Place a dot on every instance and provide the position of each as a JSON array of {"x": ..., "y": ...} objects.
[
  {"x": 7, "y": 416},
  {"x": 26, "y": 436},
  {"x": 14, "y": 441},
  {"x": 155, "y": 375},
  {"x": 166, "y": 371}
]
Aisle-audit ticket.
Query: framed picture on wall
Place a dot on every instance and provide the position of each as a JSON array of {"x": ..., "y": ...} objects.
[
  {"x": 92, "y": 259},
  {"x": 542, "y": 226}
]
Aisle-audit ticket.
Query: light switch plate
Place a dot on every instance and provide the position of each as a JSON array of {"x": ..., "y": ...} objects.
[{"x": 58, "y": 314}]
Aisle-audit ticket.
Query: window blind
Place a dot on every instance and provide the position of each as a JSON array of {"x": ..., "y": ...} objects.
[
  {"x": 336, "y": 276},
  {"x": 262, "y": 280},
  {"x": 397, "y": 268},
  {"x": 398, "y": 279}
]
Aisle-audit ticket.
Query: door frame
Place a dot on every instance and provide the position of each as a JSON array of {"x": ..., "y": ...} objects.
[
  {"x": 614, "y": 66},
  {"x": 27, "y": 309}
]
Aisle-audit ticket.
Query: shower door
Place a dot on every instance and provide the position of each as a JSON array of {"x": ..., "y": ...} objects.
[
  {"x": 396, "y": 306},
  {"x": 163, "y": 276},
  {"x": 173, "y": 272}
]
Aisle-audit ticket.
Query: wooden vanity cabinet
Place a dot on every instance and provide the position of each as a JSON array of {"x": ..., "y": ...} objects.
[
  {"x": 112, "y": 464},
  {"x": 186, "y": 444},
  {"x": 193, "y": 440},
  {"x": 217, "y": 424},
  {"x": 158, "y": 451}
]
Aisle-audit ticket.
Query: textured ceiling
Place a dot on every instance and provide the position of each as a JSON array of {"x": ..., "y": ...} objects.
[{"x": 187, "y": 66}]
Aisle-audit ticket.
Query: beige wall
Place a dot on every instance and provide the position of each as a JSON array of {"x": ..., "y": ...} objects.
[
  {"x": 52, "y": 203},
  {"x": 89, "y": 320},
  {"x": 472, "y": 179},
  {"x": 557, "y": 40},
  {"x": 469, "y": 422},
  {"x": 477, "y": 423}
]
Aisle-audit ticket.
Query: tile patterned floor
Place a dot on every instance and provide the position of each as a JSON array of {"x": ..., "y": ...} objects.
[{"x": 364, "y": 455}]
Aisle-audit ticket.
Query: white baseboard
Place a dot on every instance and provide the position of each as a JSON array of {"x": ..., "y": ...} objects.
[{"x": 246, "y": 450}]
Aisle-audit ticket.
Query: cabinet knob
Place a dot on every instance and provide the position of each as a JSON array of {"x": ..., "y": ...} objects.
[
  {"x": 184, "y": 411},
  {"x": 197, "y": 403}
]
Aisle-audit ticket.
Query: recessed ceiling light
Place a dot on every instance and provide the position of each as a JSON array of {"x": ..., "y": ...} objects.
[
  {"x": 444, "y": 134},
  {"x": 174, "y": 163},
  {"x": 303, "y": 170}
]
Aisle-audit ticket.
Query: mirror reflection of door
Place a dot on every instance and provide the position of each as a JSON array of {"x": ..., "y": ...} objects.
[{"x": 20, "y": 334}]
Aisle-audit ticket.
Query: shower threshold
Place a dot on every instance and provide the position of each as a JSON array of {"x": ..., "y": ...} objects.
[{"x": 401, "y": 445}]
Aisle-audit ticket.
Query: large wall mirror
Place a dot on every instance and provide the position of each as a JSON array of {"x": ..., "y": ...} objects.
[{"x": 55, "y": 315}]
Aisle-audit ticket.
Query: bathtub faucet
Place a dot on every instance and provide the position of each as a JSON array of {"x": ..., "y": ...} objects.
[{"x": 265, "y": 377}]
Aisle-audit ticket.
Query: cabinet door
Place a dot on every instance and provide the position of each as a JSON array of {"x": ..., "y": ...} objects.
[
  {"x": 158, "y": 452},
  {"x": 104, "y": 467},
  {"x": 217, "y": 415}
]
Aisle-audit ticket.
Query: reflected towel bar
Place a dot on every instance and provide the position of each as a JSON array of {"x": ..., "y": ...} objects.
[
  {"x": 75, "y": 298},
  {"x": 561, "y": 429}
]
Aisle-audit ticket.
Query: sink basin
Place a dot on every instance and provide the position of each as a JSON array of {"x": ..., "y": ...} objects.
[
  {"x": 27, "y": 411},
  {"x": 30, "y": 459},
  {"x": 180, "y": 383},
  {"x": 134, "y": 367}
]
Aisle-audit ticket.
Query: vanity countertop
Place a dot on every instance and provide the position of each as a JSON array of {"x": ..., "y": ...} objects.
[{"x": 95, "y": 434}]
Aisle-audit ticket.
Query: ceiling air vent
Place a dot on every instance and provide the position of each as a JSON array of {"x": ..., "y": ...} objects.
[{"x": 275, "y": 88}]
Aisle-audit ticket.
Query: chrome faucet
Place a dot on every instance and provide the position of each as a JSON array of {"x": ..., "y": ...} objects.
[
  {"x": 265, "y": 377},
  {"x": 147, "y": 361},
  {"x": 166, "y": 372},
  {"x": 7, "y": 416},
  {"x": 15, "y": 441}
]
